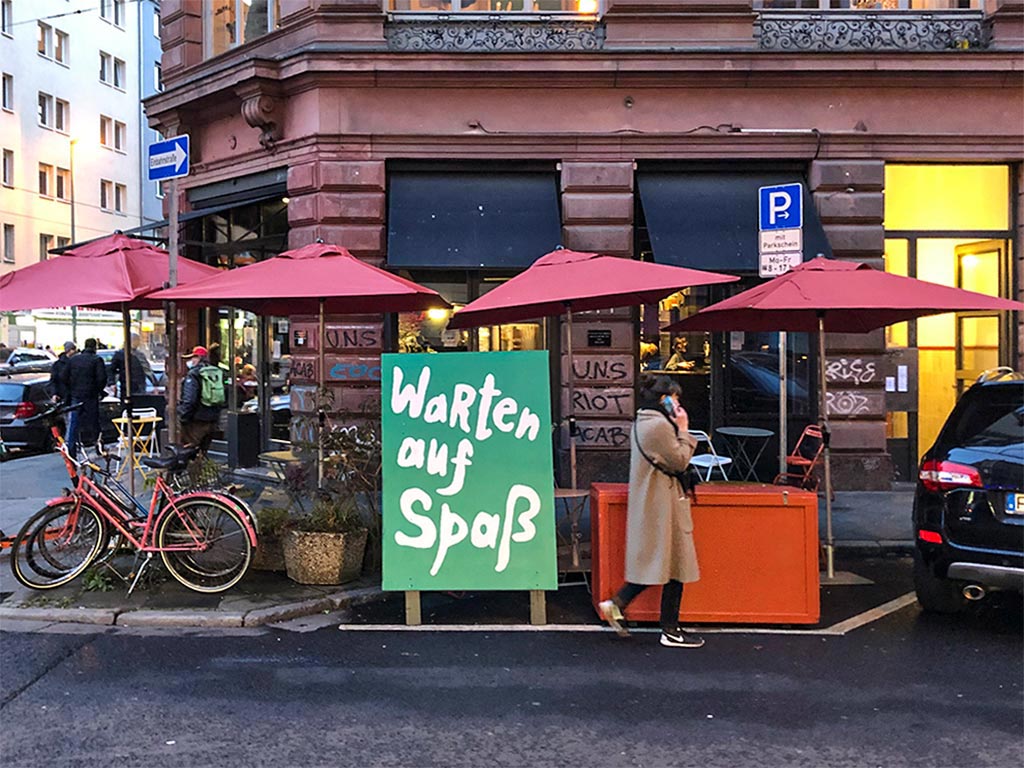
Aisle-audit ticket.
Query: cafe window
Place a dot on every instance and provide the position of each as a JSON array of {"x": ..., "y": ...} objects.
[
  {"x": 427, "y": 331},
  {"x": 230, "y": 23},
  {"x": 952, "y": 225}
]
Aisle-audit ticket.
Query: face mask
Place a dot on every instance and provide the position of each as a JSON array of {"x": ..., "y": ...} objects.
[{"x": 192, "y": 362}]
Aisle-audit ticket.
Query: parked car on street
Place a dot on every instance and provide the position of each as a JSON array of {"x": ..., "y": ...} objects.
[
  {"x": 22, "y": 396},
  {"x": 28, "y": 360},
  {"x": 969, "y": 503}
]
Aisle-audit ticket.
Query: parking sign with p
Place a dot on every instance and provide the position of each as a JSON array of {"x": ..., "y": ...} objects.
[{"x": 781, "y": 207}]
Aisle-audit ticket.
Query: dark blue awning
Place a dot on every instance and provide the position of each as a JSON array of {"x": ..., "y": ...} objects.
[
  {"x": 709, "y": 219},
  {"x": 471, "y": 219}
]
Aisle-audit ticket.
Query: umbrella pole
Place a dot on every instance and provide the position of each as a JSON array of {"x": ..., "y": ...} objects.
[
  {"x": 823, "y": 406},
  {"x": 126, "y": 396},
  {"x": 572, "y": 394},
  {"x": 320, "y": 415}
]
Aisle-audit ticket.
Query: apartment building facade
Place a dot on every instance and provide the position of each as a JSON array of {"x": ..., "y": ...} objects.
[{"x": 72, "y": 133}]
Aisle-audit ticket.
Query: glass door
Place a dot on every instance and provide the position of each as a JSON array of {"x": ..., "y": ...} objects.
[{"x": 978, "y": 340}]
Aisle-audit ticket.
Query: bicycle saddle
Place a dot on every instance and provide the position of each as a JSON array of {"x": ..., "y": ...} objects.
[{"x": 173, "y": 457}]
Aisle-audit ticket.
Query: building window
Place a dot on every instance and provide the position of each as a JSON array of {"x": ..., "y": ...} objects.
[
  {"x": 8, "y": 92},
  {"x": 106, "y": 65},
  {"x": 45, "y": 42},
  {"x": 868, "y": 5},
  {"x": 62, "y": 116},
  {"x": 119, "y": 74},
  {"x": 63, "y": 242},
  {"x": 120, "y": 135},
  {"x": 45, "y": 244},
  {"x": 9, "y": 243},
  {"x": 45, "y": 180},
  {"x": 120, "y": 197},
  {"x": 229, "y": 23},
  {"x": 119, "y": 13},
  {"x": 45, "y": 110},
  {"x": 106, "y": 130},
  {"x": 569, "y": 7},
  {"x": 8, "y": 176},
  {"x": 63, "y": 180},
  {"x": 6, "y": 17},
  {"x": 158, "y": 77},
  {"x": 156, "y": 25},
  {"x": 106, "y": 194},
  {"x": 61, "y": 52},
  {"x": 106, "y": 9},
  {"x": 159, "y": 189}
]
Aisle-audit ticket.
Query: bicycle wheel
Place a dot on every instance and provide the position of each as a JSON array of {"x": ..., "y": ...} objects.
[
  {"x": 57, "y": 544},
  {"x": 204, "y": 544}
]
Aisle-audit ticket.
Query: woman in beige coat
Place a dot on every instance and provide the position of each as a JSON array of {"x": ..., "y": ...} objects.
[{"x": 659, "y": 527}]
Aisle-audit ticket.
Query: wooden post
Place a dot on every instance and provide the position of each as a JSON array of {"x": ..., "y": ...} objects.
[
  {"x": 538, "y": 607},
  {"x": 413, "y": 616}
]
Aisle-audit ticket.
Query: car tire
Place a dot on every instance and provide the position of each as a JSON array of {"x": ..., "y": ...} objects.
[{"x": 934, "y": 594}]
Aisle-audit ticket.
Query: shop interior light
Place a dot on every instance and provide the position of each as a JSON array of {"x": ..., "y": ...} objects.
[
  {"x": 437, "y": 314},
  {"x": 587, "y": 7}
]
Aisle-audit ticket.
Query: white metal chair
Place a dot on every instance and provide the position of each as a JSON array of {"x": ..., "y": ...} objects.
[{"x": 709, "y": 461}]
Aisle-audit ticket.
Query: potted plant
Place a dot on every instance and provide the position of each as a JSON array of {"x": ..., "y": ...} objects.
[
  {"x": 269, "y": 555},
  {"x": 327, "y": 545}
]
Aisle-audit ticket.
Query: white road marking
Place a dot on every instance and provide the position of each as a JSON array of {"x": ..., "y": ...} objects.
[{"x": 836, "y": 630}]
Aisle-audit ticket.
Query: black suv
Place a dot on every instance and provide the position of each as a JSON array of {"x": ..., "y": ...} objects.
[{"x": 969, "y": 504}]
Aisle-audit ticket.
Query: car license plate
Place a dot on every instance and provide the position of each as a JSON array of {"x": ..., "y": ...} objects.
[{"x": 1015, "y": 503}]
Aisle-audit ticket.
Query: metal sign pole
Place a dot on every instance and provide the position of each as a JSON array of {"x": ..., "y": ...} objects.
[
  {"x": 783, "y": 403},
  {"x": 171, "y": 321}
]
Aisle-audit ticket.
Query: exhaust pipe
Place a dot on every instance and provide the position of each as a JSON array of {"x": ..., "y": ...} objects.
[{"x": 974, "y": 592}]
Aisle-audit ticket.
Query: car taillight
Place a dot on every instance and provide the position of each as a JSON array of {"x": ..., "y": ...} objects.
[
  {"x": 25, "y": 410},
  {"x": 946, "y": 475},
  {"x": 932, "y": 537}
]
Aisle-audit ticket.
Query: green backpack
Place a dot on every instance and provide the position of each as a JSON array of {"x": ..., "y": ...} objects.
[{"x": 212, "y": 393}]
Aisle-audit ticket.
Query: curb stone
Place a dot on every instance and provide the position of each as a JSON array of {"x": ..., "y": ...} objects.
[
  {"x": 262, "y": 616},
  {"x": 179, "y": 619},
  {"x": 102, "y": 616}
]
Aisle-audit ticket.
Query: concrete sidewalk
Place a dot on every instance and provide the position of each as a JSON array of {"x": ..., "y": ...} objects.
[{"x": 867, "y": 524}]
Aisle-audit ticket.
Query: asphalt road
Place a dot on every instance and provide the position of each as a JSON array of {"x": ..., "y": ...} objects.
[{"x": 905, "y": 690}]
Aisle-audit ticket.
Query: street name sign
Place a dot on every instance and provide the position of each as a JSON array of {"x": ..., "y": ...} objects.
[
  {"x": 468, "y": 501},
  {"x": 169, "y": 159},
  {"x": 780, "y": 228}
]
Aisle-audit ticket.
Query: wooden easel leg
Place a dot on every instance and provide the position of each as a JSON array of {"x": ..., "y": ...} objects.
[
  {"x": 413, "y": 616},
  {"x": 538, "y": 607}
]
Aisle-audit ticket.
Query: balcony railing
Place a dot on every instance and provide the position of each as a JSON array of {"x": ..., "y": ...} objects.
[{"x": 800, "y": 31}]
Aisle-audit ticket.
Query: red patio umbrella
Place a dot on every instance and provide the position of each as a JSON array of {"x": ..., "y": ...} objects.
[
  {"x": 826, "y": 295},
  {"x": 571, "y": 281},
  {"x": 315, "y": 278},
  {"x": 114, "y": 273}
]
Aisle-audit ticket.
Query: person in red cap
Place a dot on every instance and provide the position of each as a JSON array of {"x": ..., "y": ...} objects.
[{"x": 202, "y": 399}]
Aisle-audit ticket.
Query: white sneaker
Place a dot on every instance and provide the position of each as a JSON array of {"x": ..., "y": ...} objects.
[
  {"x": 681, "y": 639},
  {"x": 611, "y": 613}
]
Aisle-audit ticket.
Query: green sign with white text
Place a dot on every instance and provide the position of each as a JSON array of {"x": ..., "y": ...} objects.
[{"x": 468, "y": 480}]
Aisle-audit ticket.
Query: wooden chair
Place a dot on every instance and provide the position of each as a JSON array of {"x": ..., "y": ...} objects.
[{"x": 803, "y": 462}]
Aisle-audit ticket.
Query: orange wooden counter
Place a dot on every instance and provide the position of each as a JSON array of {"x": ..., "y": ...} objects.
[{"x": 757, "y": 546}]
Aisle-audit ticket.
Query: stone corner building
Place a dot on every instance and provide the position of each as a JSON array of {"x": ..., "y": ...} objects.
[{"x": 457, "y": 141}]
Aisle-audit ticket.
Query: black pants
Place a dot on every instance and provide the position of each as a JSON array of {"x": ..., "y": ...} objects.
[{"x": 671, "y": 597}]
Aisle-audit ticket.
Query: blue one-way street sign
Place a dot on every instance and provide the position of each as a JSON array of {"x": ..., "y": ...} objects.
[
  {"x": 168, "y": 159},
  {"x": 781, "y": 207}
]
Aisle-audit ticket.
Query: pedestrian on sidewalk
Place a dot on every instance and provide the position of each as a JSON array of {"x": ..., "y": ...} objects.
[
  {"x": 202, "y": 399},
  {"x": 85, "y": 379},
  {"x": 60, "y": 392},
  {"x": 659, "y": 526}
]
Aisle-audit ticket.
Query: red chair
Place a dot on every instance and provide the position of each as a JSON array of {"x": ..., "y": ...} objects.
[{"x": 802, "y": 463}]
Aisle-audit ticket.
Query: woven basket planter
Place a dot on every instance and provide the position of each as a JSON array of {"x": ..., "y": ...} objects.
[{"x": 324, "y": 558}]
